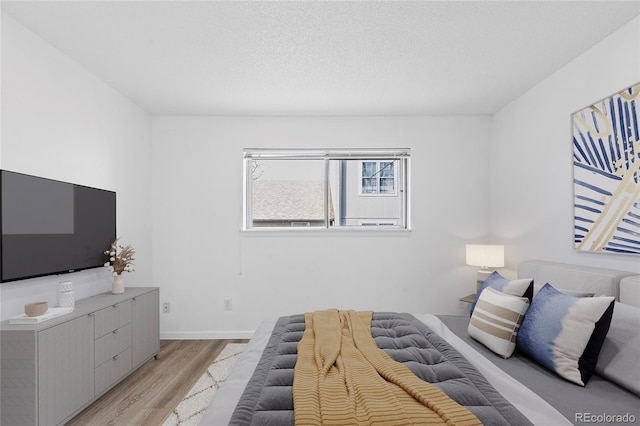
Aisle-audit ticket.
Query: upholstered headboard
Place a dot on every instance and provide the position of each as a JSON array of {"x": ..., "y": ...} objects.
[
  {"x": 618, "y": 358},
  {"x": 564, "y": 276},
  {"x": 630, "y": 290}
]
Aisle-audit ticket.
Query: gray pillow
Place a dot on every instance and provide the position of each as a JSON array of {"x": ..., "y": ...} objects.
[{"x": 618, "y": 360}]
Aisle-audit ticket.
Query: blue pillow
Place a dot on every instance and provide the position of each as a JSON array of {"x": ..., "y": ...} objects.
[
  {"x": 565, "y": 333},
  {"x": 520, "y": 288}
]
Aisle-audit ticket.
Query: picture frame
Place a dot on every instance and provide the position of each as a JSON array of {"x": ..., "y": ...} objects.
[{"x": 606, "y": 174}]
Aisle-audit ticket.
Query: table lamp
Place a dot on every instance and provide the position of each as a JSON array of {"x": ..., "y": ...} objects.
[{"x": 486, "y": 257}]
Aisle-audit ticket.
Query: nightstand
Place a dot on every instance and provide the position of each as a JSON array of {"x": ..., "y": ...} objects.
[{"x": 469, "y": 298}]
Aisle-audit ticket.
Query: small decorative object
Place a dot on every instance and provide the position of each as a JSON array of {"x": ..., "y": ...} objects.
[
  {"x": 49, "y": 313},
  {"x": 65, "y": 286},
  {"x": 36, "y": 309},
  {"x": 120, "y": 260},
  {"x": 118, "y": 285},
  {"x": 66, "y": 298}
]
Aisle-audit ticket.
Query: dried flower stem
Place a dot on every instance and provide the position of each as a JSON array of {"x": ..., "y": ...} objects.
[{"x": 120, "y": 261}]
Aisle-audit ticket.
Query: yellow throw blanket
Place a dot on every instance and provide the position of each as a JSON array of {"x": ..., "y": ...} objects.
[{"x": 341, "y": 377}]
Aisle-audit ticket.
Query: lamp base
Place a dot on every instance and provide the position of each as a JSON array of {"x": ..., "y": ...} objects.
[{"x": 482, "y": 275}]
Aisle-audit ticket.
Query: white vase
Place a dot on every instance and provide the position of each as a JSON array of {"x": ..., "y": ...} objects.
[
  {"x": 66, "y": 299},
  {"x": 118, "y": 285}
]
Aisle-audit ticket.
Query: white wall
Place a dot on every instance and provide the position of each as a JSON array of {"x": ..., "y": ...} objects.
[
  {"x": 61, "y": 122},
  {"x": 179, "y": 198},
  {"x": 201, "y": 257},
  {"x": 531, "y": 154}
]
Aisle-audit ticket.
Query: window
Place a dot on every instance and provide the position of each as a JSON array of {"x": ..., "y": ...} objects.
[
  {"x": 326, "y": 189},
  {"x": 378, "y": 178}
]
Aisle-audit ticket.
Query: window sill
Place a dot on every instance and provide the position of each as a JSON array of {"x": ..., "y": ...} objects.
[{"x": 324, "y": 232}]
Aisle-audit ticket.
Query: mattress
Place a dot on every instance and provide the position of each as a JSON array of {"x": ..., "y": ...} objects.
[
  {"x": 267, "y": 399},
  {"x": 536, "y": 409}
]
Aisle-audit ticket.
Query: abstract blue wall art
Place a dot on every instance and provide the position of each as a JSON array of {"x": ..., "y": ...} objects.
[{"x": 606, "y": 174}]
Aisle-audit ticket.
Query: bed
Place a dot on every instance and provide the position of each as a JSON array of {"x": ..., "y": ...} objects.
[{"x": 498, "y": 389}]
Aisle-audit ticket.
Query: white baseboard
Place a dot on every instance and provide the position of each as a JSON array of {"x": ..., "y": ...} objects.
[{"x": 206, "y": 335}]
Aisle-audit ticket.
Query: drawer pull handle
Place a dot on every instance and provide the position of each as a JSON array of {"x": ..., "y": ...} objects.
[
  {"x": 91, "y": 314},
  {"x": 115, "y": 331},
  {"x": 135, "y": 298},
  {"x": 115, "y": 357}
]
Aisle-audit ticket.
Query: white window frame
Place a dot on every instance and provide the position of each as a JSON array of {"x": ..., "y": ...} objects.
[
  {"x": 377, "y": 178},
  {"x": 401, "y": 183}
]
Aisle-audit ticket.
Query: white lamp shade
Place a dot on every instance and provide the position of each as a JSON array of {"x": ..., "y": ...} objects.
[{"x": 485, "y": 255}]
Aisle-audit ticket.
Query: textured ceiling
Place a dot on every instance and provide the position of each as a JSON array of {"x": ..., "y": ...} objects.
[{"x": 322, "y": 58}]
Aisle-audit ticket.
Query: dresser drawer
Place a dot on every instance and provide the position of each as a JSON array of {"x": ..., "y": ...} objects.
[
  {"x": 112, "y": 344},
  {"x": 112, "y": 370},
  {"x": 112, "y": 318}
]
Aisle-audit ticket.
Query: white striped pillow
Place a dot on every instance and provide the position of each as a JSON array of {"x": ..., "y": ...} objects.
[{"x": 496, "y": 320}]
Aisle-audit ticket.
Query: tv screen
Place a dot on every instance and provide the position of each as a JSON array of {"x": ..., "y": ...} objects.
[{"x": 50, "y": 227}]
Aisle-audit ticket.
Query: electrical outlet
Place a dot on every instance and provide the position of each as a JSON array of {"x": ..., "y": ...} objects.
[
  {"x": 228, "y": 304},
  {"x": 166, "y": 308}
]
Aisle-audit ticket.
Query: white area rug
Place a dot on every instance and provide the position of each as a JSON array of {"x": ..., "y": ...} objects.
[{"x": 192, "y": 407}]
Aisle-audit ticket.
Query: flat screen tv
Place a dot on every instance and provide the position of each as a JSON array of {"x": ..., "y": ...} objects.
[{"x": 52, "y": 227}]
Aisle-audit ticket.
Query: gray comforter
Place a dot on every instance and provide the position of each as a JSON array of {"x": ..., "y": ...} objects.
[{"x": 268, "y": 400}]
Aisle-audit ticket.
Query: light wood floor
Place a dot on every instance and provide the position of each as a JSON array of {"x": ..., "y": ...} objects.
[{"x": 149, "y": 395}]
